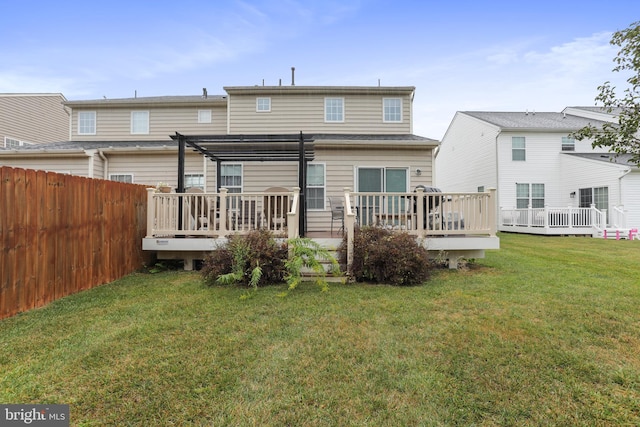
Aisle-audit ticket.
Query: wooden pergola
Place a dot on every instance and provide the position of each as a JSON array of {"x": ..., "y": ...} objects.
[{"x": 250, "y": 148}]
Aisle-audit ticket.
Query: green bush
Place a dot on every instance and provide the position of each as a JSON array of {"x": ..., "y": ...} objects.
[
  {"x": 238, "y": 259},
  {"x": 382, "y": 256}
]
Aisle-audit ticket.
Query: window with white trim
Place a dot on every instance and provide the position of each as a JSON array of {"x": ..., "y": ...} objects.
[
  {"x": 194, "y": 180},
  {"x": 316, "y": 185},
  {"x": 13, "y": 143},
  {"x": 598, "y": 196},
  {"x": 140, "y": 122},
  {"x": 334, "y": 110},
  {"x": 263, "y": 105},
  {"x": 568, "y": 144},
  {"x": 121, "y": 177},
  {"x": 204, "y": 116},
  {"x": 392, "y": 110},
  {"x": 86, "y": 123},
  {"x": 231, "y": 177},
  {"x": 529, "y": 195},
  {"x": 518, "y": 148}
]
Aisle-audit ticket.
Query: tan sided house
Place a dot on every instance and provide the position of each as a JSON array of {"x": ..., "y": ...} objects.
[{"x": 300, "y": 160}]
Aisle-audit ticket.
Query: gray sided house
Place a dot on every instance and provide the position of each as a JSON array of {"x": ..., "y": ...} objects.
[{"x": 532, "y": 161}]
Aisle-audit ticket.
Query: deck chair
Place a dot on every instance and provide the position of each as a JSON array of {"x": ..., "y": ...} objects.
[
  {"x": 276, "y": 208},
  {"x": 198, "y": 210},
  {"x": 337, "y": 212}
]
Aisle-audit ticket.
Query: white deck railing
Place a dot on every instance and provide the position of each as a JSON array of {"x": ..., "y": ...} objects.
[
  {"x": 425, "y": 214},
  {"x": 550, "y": 220},
  {"x": 221, "y": 214}
]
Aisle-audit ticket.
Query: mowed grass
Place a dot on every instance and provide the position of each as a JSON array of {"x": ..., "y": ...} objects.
[{"x": 545, "y": 331}]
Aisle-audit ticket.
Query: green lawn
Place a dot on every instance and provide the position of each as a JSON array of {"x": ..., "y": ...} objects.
[{"x": 545, "y": 331}]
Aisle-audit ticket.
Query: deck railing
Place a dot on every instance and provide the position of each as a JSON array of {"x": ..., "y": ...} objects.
[
  {"x": 426, "y": 214},
  {"x": 221, "y": 214},
  {"x": 224, "y": 213},
  {"x": 563, "y": 219}
]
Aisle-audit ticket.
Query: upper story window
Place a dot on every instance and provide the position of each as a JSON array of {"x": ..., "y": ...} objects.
[
  {"x": 263, "y": 105},
  {"x": 392, "y": 109},
  {"x": 568, "y": 144},
  {"x": 87, "y": 123},
  {"x": 334, "y": 109},
  {"x": 518, "y": 148},
  {"x": 204, "y": 116},
  {"x": 140, "y": 122}
]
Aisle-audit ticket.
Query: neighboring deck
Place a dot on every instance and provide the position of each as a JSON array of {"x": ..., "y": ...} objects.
[{"x": 451, "y": 225}]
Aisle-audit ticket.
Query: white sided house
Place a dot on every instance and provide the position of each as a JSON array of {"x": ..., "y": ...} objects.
[{"x": 547, "y": 183}]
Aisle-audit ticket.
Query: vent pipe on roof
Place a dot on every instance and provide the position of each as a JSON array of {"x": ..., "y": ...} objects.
[
  {"x": 204, "y": 92},
  {"x": 279, "y": 82},
  {"x": 293, "y": 76}
]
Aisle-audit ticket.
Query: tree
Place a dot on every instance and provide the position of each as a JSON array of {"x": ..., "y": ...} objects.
[{"x": 621, "y": 137}]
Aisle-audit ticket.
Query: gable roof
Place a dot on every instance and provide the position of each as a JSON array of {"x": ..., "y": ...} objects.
[{"x": 534, "y": 122}]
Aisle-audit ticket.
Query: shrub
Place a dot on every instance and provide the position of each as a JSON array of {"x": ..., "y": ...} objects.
[
  {"x": 238, "y": 259},
  {"x": 382, "y": 256}
]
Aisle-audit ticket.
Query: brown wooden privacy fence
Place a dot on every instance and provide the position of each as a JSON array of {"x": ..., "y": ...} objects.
[{"x": 62, "y": 234}]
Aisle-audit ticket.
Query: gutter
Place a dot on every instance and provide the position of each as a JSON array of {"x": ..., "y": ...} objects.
[{"x": 624, "y": 173}]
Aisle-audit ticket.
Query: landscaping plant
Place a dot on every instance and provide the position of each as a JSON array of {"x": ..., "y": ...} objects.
[{"x": 380, "y": 256}]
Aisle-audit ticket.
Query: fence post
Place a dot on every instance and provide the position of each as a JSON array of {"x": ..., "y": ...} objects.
[
  {"x": 420, "y": 212},
  {"x": 349, "y": 225},
  {"x": 292, "y": 218},
  {"x": 222, "y": 212},
  {"x": 546, "y": 219},
  {"x": 151, "y": 212},
  {"x": 492, "y": 214}
]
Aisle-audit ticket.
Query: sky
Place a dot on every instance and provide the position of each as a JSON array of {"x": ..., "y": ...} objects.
[{"x": 460, "y": 55}]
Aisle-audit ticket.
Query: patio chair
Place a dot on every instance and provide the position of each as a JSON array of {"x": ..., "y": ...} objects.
[
  {"x": 276, "y": 208},
  {"x": 198, "y": 209},
  {"x": 337, "y": 212}
]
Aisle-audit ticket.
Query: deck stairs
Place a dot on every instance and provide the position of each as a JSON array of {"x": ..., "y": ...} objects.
[{"x": 615, "y": 233}]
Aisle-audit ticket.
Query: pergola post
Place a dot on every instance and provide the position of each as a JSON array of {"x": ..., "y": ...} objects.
[{"x": 302, "y": 184}]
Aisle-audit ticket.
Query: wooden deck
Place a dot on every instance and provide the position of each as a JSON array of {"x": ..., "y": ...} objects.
[{"x": 188, "y": 225}]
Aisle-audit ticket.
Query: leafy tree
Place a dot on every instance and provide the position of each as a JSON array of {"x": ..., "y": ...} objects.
[{"x": 621, "y": 137}]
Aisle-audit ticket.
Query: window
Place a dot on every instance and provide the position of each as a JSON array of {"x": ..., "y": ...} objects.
[
  {"x": 263, "y": 105},
  {"x": 598, "y": 196},
  {"x": 194, "y": 180},
  {"x": 568, "y": 144},
  {"x": 334, "y": 109},
  {"x": 392, "y": 109},
  {"x": 231, "y": 177},
  {"x": 204, "y": 116},
  {"x": 140, "y": 122},
  {"x": 13, "y": 143},
  {"x": 315, "y": 186},
  {"x": 122, "y": 177},
  {"x": 87, "y": 123},
  {"x": 518, "y": 148},
  {"x": 529, "y": 195}
]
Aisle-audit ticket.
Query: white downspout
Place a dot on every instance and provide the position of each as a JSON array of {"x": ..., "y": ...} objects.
[
  {"x": 624, "y": 173},
  {"x": 105, "y": 160}
]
